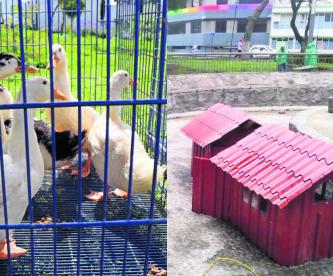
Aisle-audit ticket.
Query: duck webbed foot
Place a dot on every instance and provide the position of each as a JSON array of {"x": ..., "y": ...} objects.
[
  {"x": 66, "y": 167},
  {"x": 97, "y": 196},
  {"x": 120, "y": 193},
  {"x": 15, "y": 251},
  {"x": 85, "y": 168}
]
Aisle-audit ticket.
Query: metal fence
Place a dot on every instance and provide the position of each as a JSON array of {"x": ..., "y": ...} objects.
[
  {"x": 245, "y": 62},
  {"x": 113, "y": 237}
]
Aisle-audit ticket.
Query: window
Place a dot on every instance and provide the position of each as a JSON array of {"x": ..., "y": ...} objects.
[
  {"x": 263, "y": 205},
  {"x": 241, "y": 24},
  {"x": 196, "y": 27},
  {"x": 220, "y": 2},
  {"x": 196, "y": 3},
  {"x": 330, "y": 44},
  {"x": 178, "y": 47},
  {"x": 297, "y": 45},
  {"x": 254, "y": 201},
  {"x": 177, "y": 4},
  {"x": 290, "y": 44},
  {"x": 326, "y": 44},
  {"x": 221, "y": 26},
  {"x": 249, "y": 1},
  {"x": 260, "y": 27},
  {"x": 328, "y": 17},
  {"x": 177, "y": 28},
  {"x": 324, "y": 191},
  {"x": 246, "y": 195}
]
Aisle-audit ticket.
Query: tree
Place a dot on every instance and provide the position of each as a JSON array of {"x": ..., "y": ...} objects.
[
  {"x": 68, "y": 8},
  {"x": 302, "y": 40},
  {"x": 251, "y": 23},
  {"x": 102, "y": 9},
  {"x": 176, "y": 4}
]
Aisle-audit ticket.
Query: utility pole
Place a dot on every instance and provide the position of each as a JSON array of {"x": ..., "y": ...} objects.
[
  {"x": 312, "y": 19},
  {"x": 233, "y": 26}
]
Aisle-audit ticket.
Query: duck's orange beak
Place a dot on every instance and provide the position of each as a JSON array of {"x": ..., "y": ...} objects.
[
  {"x": 28, "y": 69},
  {"x": 131, "y": 82},
  {"x": 55, "y": 61},
  {"x": 59, "y": 95}
]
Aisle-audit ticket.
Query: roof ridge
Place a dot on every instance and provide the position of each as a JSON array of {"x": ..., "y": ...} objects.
[
  {"x": 274, "y": 164},
  {"x": 292, "y": 146},
  {"x": 266, "y": 160},
  {"x": 227, "y": 117}
]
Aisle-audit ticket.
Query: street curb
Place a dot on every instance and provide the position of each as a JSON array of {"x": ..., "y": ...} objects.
[
  {"x": 299, "y": 123},
  {"x": 247, "y": 109}
]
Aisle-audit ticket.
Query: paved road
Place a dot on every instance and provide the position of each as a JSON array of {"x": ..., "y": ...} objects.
[{"x": 195, "y": 240}]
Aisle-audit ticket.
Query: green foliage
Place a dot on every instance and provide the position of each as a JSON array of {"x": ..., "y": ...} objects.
[
  {"x": 176, "y": 4},
  {"x": 93, "y": 68},
  {"x": 70, "y": 6},
  {"x": 188, "y": 65}
]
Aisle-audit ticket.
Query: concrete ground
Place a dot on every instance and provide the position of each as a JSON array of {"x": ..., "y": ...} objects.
[
  {"x": 194, "y": 241},
  {"x": 316, "y": 122}
]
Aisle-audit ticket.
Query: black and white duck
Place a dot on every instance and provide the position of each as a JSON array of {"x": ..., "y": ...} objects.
[
  {"x": 10, "y": 65},
  {"x": 67, "y": 145}
]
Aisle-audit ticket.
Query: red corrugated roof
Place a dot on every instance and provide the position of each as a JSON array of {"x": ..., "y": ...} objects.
[
  {"x": 277, "y": 163},
  {"x": 214, "y": 123}
]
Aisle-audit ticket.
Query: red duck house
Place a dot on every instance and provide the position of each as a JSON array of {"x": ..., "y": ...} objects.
[
  {"x": 214, "y": 130},
  {"x": 217, "y": 128},
  {"x": 276, "y": 187}
]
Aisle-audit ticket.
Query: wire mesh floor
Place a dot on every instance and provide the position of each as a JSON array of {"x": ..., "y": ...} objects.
[{"x": 90, "y": 245}]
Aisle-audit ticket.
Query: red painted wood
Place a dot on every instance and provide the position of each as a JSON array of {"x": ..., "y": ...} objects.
[
  {"x": 276, "y": 164},
  {"x": 214, "y": 123},
  {"x": 209, "y": 188},
  {"x": 270, "y": 162},
  {"x": 197, "y": 188}
]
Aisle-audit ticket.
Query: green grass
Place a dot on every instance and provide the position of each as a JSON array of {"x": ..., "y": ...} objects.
[
  {"x": 93, "y": 63},
  {"x": 93, "y": 68},
  {"x": 183, "y": 65},
  {"x": 187, "y": 66},
  {"x": 325, "y": 66}
]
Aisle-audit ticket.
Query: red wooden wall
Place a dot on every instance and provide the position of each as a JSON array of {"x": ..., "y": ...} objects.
[{"x": 301, "y": 231}]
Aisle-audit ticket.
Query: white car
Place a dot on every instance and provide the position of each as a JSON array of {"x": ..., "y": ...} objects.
[{"x": 262, "y": 51}]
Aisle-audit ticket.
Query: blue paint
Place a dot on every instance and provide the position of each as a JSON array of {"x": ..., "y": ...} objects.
[{"x": 118, "y": 236}]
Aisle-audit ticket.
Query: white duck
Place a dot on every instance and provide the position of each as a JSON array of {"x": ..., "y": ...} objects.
[
  {"x": 6, "y": 115},
  {"x": 119, "y": 149},
  {"x": 67, "y": 118},
  {"x": 10, "y": 64},
  {"x": 38, "y": 90},
  {"x": 66, "y": 142}
]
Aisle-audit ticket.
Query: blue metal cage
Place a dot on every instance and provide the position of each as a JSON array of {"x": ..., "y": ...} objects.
[{"x": 116, "y": 237}]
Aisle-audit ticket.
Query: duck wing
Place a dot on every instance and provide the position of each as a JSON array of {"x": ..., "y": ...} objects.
[{"x": 67, "y": 143}]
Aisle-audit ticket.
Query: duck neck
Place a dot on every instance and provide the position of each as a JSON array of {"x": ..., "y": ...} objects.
[
  {"x": 61, "y": 79},
  {"x": 16, "y": 143},
  {"x": 115, "y": 111}
]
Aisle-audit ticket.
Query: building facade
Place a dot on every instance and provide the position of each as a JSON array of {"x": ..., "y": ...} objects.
[
  {"x": 215, "y": 25},
  {"x": 281, "y": 31}
]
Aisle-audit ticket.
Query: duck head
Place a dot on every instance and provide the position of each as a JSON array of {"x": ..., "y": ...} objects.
[
  {"x": 10, "y": 64},
  {"x": 119, "y": 81},
  {"x": 58, "y": 56},
  {"x": 38, "y": 90}
]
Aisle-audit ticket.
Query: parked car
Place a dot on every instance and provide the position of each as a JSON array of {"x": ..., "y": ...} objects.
[{"x": 262, "y": 51}]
